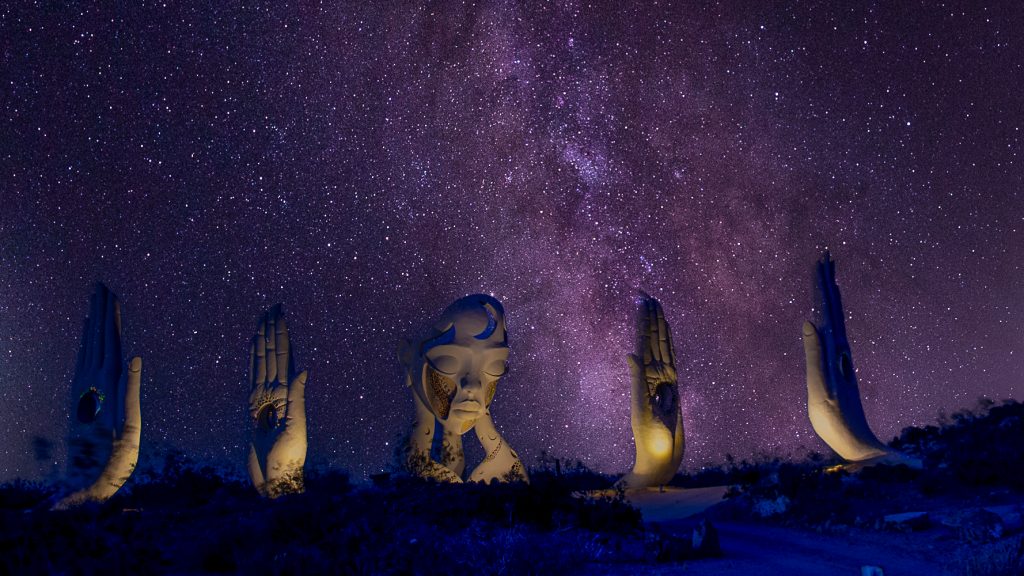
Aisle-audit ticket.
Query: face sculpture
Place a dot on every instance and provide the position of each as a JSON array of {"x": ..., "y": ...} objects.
[{"x": 459, "y": 365}]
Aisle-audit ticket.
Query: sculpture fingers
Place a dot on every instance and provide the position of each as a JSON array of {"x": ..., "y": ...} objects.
[
  {"x": 270, "y": 330},
  {"x": 653, "y": 334},
  {"x": 283, "y": 349},
  {"x": 110, "y": 335},
  {"x": 643, "y": 328},
  {"x": 500, "y": 462},
  {"x": 832, "y": 303},
  {"x": 260, "y": 345},
  {"x": 251, "y": 374},
  {"x": 94, "y": 354},
  {"x": 824, "y": 287},
  {"x": 83, "y": 350},
  {"x": 664, "y": 341}
]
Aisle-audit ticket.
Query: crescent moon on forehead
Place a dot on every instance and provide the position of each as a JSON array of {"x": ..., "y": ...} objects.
[{"x": 492, "y": 322}]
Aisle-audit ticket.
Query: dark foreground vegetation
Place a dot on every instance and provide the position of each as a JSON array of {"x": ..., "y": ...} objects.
[
  {"x": 969, "y": 492},
  {"x": 188, "y": 519},
  {"x": 191, "y": 520}
]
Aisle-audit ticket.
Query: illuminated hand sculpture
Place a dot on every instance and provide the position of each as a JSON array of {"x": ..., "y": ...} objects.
[
  {"x": 454, "y": 374},
  {"x": 655, "y": 414},
  {"x": 107, "y": 421},
  {"x": 833, "y": 398},
  {"x": 277, "y": 408}
]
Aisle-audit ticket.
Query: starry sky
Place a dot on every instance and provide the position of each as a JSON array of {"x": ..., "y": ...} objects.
[{"x": 367, "y": 165}]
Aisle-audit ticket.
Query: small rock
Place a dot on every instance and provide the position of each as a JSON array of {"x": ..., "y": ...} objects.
[
  {"x": 907, "y": 521},
  {"x": 705, "y": 539},
  {"x": 976, "y": 526}
]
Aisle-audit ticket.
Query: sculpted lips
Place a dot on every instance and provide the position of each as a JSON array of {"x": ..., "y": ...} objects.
[{"x": 468, "y": 407}]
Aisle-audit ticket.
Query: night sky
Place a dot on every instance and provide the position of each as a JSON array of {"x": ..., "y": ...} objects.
[{"x": 366, "y": 166}]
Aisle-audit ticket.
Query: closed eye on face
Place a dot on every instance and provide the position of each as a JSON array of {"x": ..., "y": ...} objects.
[
  {"x": 448, "y": 365},
  {"x": 497, "y": 368}
]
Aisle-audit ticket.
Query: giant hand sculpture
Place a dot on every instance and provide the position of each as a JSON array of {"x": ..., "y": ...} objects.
[
  {"x": 107, "y": 422},
  {"x": 277, "y": 409},
  {"x": 833, "y": 398},
  {"x": 655, "y": 415},
  {"x": 454, "y": 374}
]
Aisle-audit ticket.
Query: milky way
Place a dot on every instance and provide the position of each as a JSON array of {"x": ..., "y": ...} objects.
[{"x": 366, "y": 166}]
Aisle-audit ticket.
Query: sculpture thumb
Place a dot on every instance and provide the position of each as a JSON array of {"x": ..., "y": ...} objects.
[
  {"x": 132, "y": 432},
  {"x": 638, "y": 393},
  {"x": 817, "y": 391},
  {"x": 125, "y": 453},
  {"x": 297, "y": 400},
  {"x": 634, "y": 363}
]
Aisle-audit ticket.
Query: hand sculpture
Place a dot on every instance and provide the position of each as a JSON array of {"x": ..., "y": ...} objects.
[
  {"x": 107, "y": 420},
  {"x": 833, "y": 398},
  {"x": 277, "y": 408},
  {"x": 655, "y": 415},
  {"x": 453, "y": 374}
]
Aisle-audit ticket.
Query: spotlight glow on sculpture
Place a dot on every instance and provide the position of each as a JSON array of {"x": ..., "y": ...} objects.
[
  {"x": 655, "y": 413},
  {"x": 277, "y": 410}
]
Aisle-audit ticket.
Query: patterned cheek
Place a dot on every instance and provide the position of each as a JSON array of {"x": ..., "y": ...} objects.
[
  {"x": 441, "y": 391},
  {"x": 492, "y": 387}
]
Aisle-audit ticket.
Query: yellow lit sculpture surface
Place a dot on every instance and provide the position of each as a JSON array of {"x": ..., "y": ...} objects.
[
  {"x": 655, "y": 414},
  {"x": 277, "y": 410},
  {"x": 453, "y": 373},
  {"x": 107, "y": 421}
]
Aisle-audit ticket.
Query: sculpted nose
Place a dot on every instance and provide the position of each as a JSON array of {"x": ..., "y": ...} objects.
[{"x": 471, "y": 386}]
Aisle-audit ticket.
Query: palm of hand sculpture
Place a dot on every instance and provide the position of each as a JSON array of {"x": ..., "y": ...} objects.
[
  {"x": 277, "y": 410},
  {"x": 833, "y": 397},
  {"x": 107, "y": 420},
  {"x": 655, "y": 413}
]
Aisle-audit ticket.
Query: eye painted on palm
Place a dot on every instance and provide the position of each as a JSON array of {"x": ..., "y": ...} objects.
[
  {"x": 89, "y": 405},
  {"x": 663, "y": 398},
  {"x": 661, "y": 384},
  {"x": 268, "y": 410},
  {"x": 845, "y": 365}
]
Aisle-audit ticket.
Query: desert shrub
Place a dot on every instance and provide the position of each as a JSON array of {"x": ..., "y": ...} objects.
[
  {"x": 569, "y": 474},
  {"x": 194, "y": 520},
  {"x": 21, "y": 494},
  {"x": 973, "y": 448},
  {"x": 1001, "y": 558}
]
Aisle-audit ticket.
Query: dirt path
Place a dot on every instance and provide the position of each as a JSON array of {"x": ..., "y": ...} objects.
[
  {"x": 760, "y": 549},
  {"x": 750, "y": 548}
]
